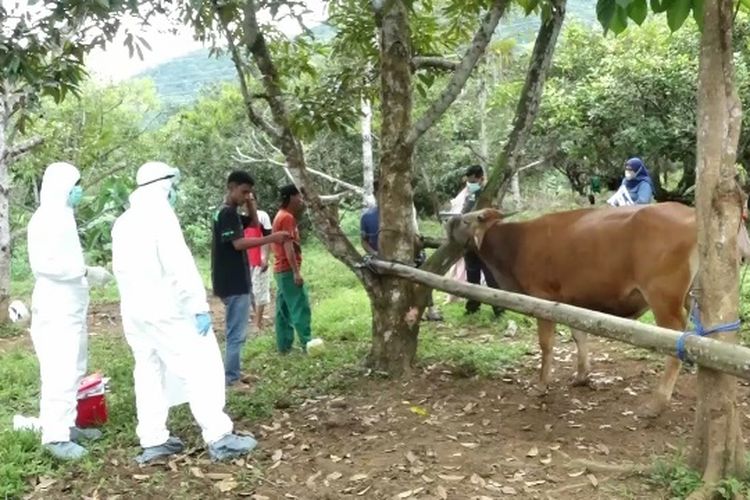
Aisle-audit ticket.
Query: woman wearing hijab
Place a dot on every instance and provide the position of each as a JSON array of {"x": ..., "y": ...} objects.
[{"x": 636, "y": 188}]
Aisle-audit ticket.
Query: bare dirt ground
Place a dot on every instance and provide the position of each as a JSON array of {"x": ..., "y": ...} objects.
[{"x": 439, "y": 435}]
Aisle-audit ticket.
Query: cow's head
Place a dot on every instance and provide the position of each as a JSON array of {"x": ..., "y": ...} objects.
[{"x": 469, "y": 229}]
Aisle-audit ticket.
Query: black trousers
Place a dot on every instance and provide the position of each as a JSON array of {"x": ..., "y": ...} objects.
[{"x": 474, "y": 270}]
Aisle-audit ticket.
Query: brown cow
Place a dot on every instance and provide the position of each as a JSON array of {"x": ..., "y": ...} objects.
[{"x": 620, "y": 261}]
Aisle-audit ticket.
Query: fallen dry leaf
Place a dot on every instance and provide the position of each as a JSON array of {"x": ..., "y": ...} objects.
[
  {"x": 140, "y": 477},
  {"x": 364, "y": 491},
  {"x": 335, "y": 459},
  {"x": 277, "y": 455},
  {"x": 358, "y": 477},
  {"x": 593, "y": 480},
  {"x": 447, "y": 477},
  {"x": 427, "y": 479},
  {"x": 334, "y": 476},
  {"x": 409, "y": 493},
  {"x": 508, "y": 490},
  {"x": 311, "y": 480},
  {"x": 577, "y": 474},
  {"x": 411, "y": 457},
  {"x": 477, "y": 480},
  {"x": 195, "y": 471},
  {"x": 442, "y": 493},
  {"x": 546, "y": 460},
  {"x": 603, "y": 448},
  {"x": 534, "y": 483},
  {"x": 44, "y": 483},
  {"x": 218, "y": 476},
  {"x": 259, "y": 497},
  {"x": 471, "y": 446},
  {"x": 533, "y": 452},
  {"x": 226, "y": 485},
  {"x": 418, "y": 410}
]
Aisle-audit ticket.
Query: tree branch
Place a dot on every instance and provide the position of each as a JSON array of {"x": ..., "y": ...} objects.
[
  {"x": 19, "y": 150},
  {"x": 462, "y": 73},
  {"x": 433, "y": 62},
  {"x": 351, "y": 187},
  {"x": 247, "y": 97},
  {"x": 528, "y": 105}
]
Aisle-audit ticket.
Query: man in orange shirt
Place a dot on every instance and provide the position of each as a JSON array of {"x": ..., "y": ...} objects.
[{"x": 292, "y": 303}]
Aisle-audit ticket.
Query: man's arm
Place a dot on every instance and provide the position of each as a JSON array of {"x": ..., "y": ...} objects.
[{"x": 245, "y": 243}]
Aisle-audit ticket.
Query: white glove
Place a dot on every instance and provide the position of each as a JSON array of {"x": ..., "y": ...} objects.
[{"x": 98, "y": 276}]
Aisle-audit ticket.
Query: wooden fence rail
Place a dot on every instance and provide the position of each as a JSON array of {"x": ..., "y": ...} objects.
[{"x": 722, "y": 356}]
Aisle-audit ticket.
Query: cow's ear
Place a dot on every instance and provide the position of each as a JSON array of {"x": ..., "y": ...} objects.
[
  {"x": 509, "y": 214},
  {"x": 481, "y": 216}
]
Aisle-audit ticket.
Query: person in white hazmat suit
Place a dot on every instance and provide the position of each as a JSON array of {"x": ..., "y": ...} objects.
[
  {"x": 59, "y": 305},
  {"x": 166, "y": 320}
]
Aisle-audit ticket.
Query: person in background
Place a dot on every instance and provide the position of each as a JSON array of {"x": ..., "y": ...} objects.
[
  {"x": 59, "y": 305},
  {"x": 167, "y": 323},
  {"x": 475, "y": 268},
  {"x": 292, "y": 301},
  {"x": 369, "y": 227},
  {"x": 258, "y": 225},
  {"x": 230, "y": 272},
  {"x": 636, "y": 188},
  {"x": 458, "y": 270}
]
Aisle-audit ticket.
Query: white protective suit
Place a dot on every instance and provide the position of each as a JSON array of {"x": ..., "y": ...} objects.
[
  {"x": 59, "y": 303},
  {"x": 161, "y": 292}
]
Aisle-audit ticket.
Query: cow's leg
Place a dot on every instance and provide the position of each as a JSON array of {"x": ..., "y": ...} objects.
[
  {"x": 668, "y": 314},
  {"x": 584, "y": 366},
  {"x": 546, "y": 331}
]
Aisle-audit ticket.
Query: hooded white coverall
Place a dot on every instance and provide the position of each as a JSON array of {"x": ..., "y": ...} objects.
[
  {"x": 161, "y": 292},
  {"x": 59, "y": 302}
]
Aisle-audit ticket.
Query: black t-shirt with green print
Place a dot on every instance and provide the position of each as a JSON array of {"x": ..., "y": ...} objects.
[{"x": 230, "y": 272}]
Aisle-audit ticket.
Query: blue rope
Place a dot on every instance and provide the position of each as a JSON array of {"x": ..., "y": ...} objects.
[{"x": 700, "y": 330}]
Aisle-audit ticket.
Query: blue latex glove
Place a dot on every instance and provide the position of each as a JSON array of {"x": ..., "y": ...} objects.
[{"x": 203, "y": 323}]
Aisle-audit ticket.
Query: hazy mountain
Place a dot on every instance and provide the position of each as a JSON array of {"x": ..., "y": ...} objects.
[{"x": 180, "y": 80}]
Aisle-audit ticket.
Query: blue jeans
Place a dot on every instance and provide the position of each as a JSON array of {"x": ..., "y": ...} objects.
[{"x": 237, "y": 316}]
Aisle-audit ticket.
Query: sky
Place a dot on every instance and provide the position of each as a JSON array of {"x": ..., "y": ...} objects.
[{"x": 114, "y": 63}]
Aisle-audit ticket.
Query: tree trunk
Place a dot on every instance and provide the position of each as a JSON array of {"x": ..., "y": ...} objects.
[
  {"x": 368, "y": 164},
  {"x": 515, "y": 190},
  {"x": 394, "y": 335},
  {"x": 5, "y": 254},
  {"x": 719, "y": 450}
]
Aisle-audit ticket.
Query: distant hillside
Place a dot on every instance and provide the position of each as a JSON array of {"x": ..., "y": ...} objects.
[{"x": 180, "y": 80}]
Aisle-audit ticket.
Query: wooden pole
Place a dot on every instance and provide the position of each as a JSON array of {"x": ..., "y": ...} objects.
[{"x": 721, "y": 356}]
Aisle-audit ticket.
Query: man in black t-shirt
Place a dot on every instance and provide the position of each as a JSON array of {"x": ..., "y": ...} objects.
[{"x": 230, "y": 272}]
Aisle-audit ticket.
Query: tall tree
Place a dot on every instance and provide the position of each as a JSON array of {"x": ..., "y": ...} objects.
[
  {"x": 718, "y": 447},
  {"x": 394, "y": 308}
]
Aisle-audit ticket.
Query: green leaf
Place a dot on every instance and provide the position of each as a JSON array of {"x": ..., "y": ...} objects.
[
  {"x": 637, "y": 11},
  {"x": 698, "y": 9},
  {"x": 658, "y": 6},
  {"x": 605, "y": 11},
  {"x": 677, "y": 12},
  {"x": 624, "y": 3},
  {"x": 619, "y": 20}
]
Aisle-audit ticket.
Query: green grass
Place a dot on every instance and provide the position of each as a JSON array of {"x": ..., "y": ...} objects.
[{"x": 680, "y": 481}]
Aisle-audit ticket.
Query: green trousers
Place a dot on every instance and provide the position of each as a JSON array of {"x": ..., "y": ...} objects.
[{"x": 292, "y": 312}]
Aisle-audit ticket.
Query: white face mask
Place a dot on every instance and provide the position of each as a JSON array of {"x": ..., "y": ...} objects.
[{"x": 629, "y": 175}]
